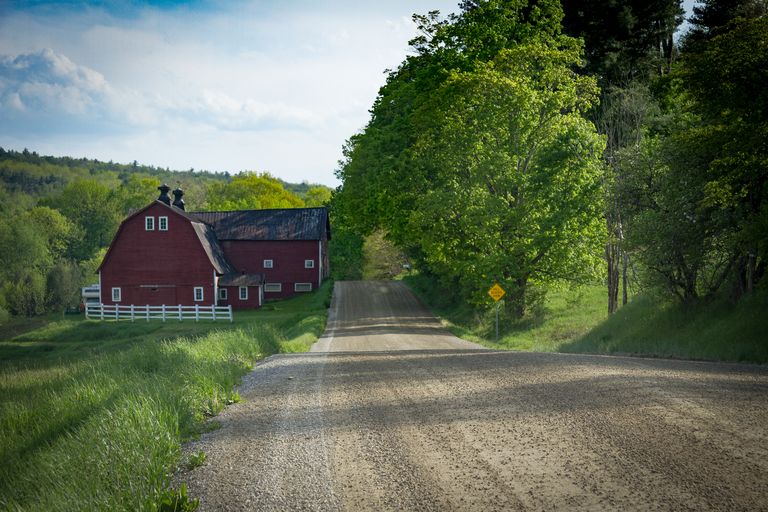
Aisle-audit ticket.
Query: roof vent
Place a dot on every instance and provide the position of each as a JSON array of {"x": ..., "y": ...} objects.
[
  {"x": 178, "y": 202},
  {"x": 164, "y": 194}
]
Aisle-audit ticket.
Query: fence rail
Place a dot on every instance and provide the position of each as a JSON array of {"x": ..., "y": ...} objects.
[{"x": 180, "y": 313}]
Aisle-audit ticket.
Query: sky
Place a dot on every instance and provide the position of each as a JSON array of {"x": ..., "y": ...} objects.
[{"x": 221, "y": 86}]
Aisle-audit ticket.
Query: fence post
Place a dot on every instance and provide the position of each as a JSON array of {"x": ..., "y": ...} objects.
[
  {"x": 213, "y": 310},
  {"x": 230, "y": 313},
  {"x": 102, "y": 311},
  {"x": 147, "y": 311},
  {"x": 197, "y": 312},
  {"x": 133, "y": 313},
  {"x": 181, "y": 317},
  {"x": 163, "y": 312}
]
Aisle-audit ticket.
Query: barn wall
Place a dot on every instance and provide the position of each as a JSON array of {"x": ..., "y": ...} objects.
[
  {"x": 288, "y": 258},
  {"x": 172, "y": 260},
  {"x": 233, "y": 298}
]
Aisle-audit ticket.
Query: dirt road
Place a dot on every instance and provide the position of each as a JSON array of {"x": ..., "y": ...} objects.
[{"x": 382, "y": 419}]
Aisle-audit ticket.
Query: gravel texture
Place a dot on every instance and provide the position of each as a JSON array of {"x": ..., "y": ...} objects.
[{"x": 381, "y": 418}]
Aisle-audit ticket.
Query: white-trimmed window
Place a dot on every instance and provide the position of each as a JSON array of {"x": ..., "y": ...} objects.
[
  {"x": 273, "y": 287},
  {"x": 223, "y": 293},
  {"x": 309, "y": 263},
  {"x": 302, "y": 287},
  {"x": 243, "y": 293},
  {"x": 268, "y": 264},
  {"x": 149, "y": 223},
  {"x": 117, "y": 295},
  {"x": 162, "y": 223},
  {"x": 198, "y": 293}
]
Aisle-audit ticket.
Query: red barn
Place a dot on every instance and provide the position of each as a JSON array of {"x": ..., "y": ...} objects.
[{"x": 163, "y": 254}]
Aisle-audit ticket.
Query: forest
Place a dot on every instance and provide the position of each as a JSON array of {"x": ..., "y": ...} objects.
[
  {"x": 59, "y": 214},
  {"x": 534, "y": 142}
]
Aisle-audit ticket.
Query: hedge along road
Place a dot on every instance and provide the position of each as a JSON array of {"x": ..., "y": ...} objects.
[{"x": 390, "y": 412}]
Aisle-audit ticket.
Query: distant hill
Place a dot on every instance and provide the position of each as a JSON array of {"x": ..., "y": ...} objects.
[{"x": 28, "y": 173}]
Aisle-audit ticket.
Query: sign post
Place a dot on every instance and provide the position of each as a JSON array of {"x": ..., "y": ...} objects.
[{"x": 496, "y": 292}]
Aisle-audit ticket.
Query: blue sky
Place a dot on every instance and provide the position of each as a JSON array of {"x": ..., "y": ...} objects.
[{"x": 222, "y": 86}]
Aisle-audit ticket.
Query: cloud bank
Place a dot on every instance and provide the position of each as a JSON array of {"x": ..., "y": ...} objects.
[{"x": 252, "y": 86}]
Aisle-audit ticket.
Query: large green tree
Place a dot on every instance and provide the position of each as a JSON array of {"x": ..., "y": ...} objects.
[
  {"x": 510, "y": 174},
  {"x": 251, "y": 191}
]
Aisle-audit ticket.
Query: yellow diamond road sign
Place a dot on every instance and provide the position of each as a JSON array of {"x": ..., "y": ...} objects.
[{"x": 496, "y": 292}]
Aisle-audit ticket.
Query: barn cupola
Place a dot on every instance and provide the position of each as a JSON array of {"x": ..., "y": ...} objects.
[
  {"x": 164, "y": 197},
  {"x": 178, "y": 202}
]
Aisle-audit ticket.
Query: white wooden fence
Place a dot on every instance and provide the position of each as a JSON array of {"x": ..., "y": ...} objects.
[{"x": 180, "y": 313}]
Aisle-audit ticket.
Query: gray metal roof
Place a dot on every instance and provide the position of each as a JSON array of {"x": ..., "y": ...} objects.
[
  {"x": 276, "y": 224},
  {"x": 212, "y": 248},
  {"x": 236, "y": 279}
]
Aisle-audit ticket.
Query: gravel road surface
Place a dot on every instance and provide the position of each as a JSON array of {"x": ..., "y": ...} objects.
[{"x": 389, "y": 412}]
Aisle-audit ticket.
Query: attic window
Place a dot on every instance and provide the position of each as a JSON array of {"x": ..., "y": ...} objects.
[
  {"x": 309, "y": 263},
  {"x": 149, "y": 223},
  {"x": 162, "y": 223},
  {"x": 268, "y": 264}
]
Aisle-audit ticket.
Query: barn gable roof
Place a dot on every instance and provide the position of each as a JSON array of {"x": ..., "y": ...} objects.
[
  {"x": 275, "y": 224},
  {"x": 204, "y": 233}
]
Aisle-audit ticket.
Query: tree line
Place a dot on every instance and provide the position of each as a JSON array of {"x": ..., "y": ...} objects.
[
  {"x": 58, "y": 215},
  {"x": 534, "y": 142}
]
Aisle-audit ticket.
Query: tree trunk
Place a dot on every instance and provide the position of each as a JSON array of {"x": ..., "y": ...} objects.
[{"x": 515, "y": 305}]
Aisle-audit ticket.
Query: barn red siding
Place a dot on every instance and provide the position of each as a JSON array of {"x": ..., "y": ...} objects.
[
  {"x": 287, "y": 257},
  {"x": 157, "y": 267},
  {"x": 233, "y": 298}
]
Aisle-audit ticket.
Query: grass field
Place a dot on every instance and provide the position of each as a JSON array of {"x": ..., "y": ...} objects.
[
  {"x": 574, "y": 319},
  {"x": 92, "y": 415}
]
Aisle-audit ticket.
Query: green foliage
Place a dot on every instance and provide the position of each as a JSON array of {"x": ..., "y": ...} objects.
[
  {"x": 477, "y": 161},
  {"x": 196, "y": 460},
  {"x": 93, "y": 414},
  {"x": 178, "y": 501},
  {"x": 381, "y": 259},
  {"x": 251, "y": 191}
]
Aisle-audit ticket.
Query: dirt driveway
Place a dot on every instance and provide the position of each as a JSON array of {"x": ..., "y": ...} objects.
[{"x": 392, "y": 413}]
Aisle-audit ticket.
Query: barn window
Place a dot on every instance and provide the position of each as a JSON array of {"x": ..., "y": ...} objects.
[
  {"x": 268, "y": 264},
  {"x": 149, "y": 223},
  {"x": 273, "y": 287},
  {"x": 309, "y": 263},
  {"x": 162, "y": 223},
  {"x": 302, "y": 287},
  {"x": 243, "y": 293},
  {"x": 198, "y": 293},
  {"x": 116, "y": 295},
  {"x": 223, "y": 293}
]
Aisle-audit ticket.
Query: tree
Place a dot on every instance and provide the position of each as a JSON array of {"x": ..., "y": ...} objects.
[
  {"x": 317, "y": 196},
  {"x": 506, "y": 175},
  {"x": 251, "y": 191},
  {"x": 732, "y": 100},
  {"x": 90, "y": 206}
]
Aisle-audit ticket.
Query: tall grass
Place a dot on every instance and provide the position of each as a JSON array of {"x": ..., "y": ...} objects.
[
  {"x": 574, "y": 319},
  {"x": 96, "y": 421}
]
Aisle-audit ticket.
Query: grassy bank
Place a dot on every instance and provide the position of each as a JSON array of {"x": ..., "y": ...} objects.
[
  {"x": 92, "y": 415},
  {"x": 574, "y": 319}
]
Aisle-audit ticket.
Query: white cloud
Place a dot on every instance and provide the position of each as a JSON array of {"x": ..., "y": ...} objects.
[{"x": 252, "y": 86}]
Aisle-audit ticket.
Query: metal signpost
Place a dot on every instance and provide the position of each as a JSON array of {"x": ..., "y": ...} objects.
[{"x": 496, "y": 292}]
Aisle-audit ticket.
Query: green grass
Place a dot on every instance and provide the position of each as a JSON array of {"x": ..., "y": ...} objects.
[
  {"x": 714, "y": 330},
  {"x": 574, "y": 319},
  {"x": 92, "y": 415}
]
